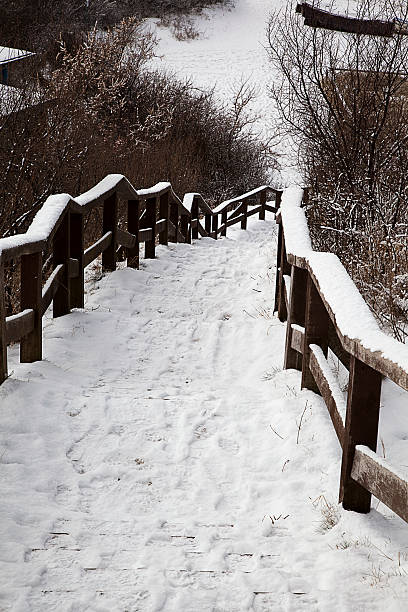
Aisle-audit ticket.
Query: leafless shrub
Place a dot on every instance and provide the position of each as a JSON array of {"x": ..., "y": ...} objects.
[{"x": 344, "y": 99}]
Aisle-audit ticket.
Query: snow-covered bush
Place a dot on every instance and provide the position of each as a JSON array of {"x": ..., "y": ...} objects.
[
  {"x": 344, "y": 98},
  {"x": 103, "y": 110}
]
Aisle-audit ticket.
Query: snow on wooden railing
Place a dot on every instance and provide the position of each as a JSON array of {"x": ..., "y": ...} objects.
[
  {"x": 154, "y": 215},
  {"x": 324, "y": 310}
]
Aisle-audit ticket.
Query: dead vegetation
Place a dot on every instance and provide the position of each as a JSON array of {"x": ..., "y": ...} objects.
[{"x": 344, "y": 99}]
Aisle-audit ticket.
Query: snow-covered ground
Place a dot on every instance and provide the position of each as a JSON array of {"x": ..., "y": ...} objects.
[
  {"x": 159, "y": 458},
  {"x": 231, "y": 51}
]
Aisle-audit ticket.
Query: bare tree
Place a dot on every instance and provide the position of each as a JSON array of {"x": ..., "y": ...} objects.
[{"x": 344, "y": 98}]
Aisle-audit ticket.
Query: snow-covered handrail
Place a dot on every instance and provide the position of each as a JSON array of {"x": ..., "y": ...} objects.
[
  {"x": 58, "y": 231},
  {"x": 324, "y": 309}
]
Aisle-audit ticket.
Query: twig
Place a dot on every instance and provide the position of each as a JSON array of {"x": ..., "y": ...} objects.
[
  {"x": 300, "y": 422},
  {"x": 274, "y": 431}
]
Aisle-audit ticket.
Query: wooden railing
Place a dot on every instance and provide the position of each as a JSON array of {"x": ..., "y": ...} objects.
[
  {"x": 324, "y": 310},
  {"x": 153, "y": 216}
]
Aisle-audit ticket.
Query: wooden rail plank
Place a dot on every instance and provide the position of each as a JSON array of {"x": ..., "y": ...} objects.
[
  {"x": 125, "y": 239},
  {"x": 298, "y": 333},
  {"x": 202, "y": 231},
  {"x": 270, "y": 208},
  {"x": 145, "y": 234},
  {"x": 97, "y": 248},
  {"x": 329, "y": 389},
  {"x": 20, "y": 325},
  {"x": 373, "y": 473},
  {"x": 51, "y": 287}
]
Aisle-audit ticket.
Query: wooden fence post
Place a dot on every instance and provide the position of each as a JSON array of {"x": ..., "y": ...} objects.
[
  {"x": 208, "y": 222},
  {"x": 245, "y": 219},
  {"x": 61, "y": 255},
  {"x": 363, "y": 409},
  {"x": 133, "y": 222},
  {"x": 194, "y": 217},
  {"x": 3, "y": 339},
  {"x": 262, "y": 201},
  {"x": 316, "y": 332},
  {"x": 110, "y": 224},
  {"x": 150, "y": 245},
  {"x": 31, "y": 297},
  {"x": 215, "y": 226},
  {"x": 185, "y": 229},
  {"x": 278, "y": 259},
  {"x": 223, "y": 222},
  {"x": 164, "y": 214},
  {"x": 77, "y": 252},
  {"x": 174, "y": 218},
  {"x": 296, "y": 314},
  {"x": 284, "y": 270}
]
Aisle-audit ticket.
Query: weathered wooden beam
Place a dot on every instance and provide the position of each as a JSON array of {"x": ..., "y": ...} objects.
[
  {"x": 363, "y": 409},
  {"x": 372, "y": 474},
  {"x": 164, "y": 213},
  {"x": 110, "y": 224},
  {"x": 19, "y": 326},
  {"x": 97, "y": 248},
  {"x": 133, "y": 226},
  {"x": 150, "y": 243},
  {"x": 316, "y": 332},
  {"x": 77, "y": 281},
  {"x": 296, "y": 315},
  {"x": 61, "y": 255},
  {"x": 31, "y": 298}
]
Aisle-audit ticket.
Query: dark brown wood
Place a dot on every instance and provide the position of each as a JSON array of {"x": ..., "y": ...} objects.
[
  {"x": 224, "y": 222},
  {"x": 321, "y": 378},
  {"x": 125, "y": 238},
  {"x": 363, "y": 409},
  {"x": 3, "y": 337},
  {"x": 51, "y": 286},
  {"x": 20, "y": 325},
  {"x": 97, "y": 248},
  {"x": 174, "y": 218},
  {"x": 336, "y": 346},
  {"x": 377, "y": 478},
  {"x": 77, "y": 251},
  {"x": 31, "y": 297},
  {"x": 145, "y": 234},
  {"x": 110, "y": 224},
  {"x": 278, "y": 263},
  {"x": 208, "y": 220},
  {"x": 164, "y": 212},
  {"x": 215, "y": 226},
  {"x": 245, "y": 218},
  {"x": 61, "y": 255},
  {"x": 316, "y": 332},
  {"x": 262, "y": 201},
  {"x": 184, "y": 228},
  {"x": 297, "y": 338},
  {"x": 194, "y": 216},
  {"x": 150, "y": 244},
  {"x": 284, "y": 270},
  {"x": 269, "y": 208},
  {"x": 133, "y": 225},
  {"x": 296, "y": 314}
]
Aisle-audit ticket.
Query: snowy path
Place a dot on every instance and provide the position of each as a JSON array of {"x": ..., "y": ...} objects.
[{"x": 161, "y": 462}]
